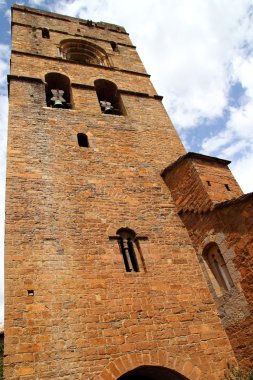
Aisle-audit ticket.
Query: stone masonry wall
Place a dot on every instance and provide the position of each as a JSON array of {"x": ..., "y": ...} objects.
[
  {"x": 231, "y": 228},
  {"x": 229, "y": 224},
  {"x": 87, "y": 318}
]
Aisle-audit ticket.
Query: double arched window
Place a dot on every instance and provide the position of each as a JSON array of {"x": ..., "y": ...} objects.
[
  {"x": 218, "y": 268},
  {"x": 127, "y": 244}
]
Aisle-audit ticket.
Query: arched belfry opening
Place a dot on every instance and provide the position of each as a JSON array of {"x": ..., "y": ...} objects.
[
  {"x": 109, "y": 97},
  {"x": 152, "y": 373},
  {"x": 58, "y": 91},
  {"x": 83, "y": 51}
]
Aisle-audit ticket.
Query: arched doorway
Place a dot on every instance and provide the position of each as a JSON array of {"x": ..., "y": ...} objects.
[{"x": 148, "y": 372}]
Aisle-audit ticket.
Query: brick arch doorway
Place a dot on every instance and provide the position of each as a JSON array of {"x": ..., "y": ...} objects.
[{"x": 150, "y": 372}]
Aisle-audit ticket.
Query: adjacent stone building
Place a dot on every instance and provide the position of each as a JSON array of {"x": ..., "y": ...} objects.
[{"x": 126, "y": 257}]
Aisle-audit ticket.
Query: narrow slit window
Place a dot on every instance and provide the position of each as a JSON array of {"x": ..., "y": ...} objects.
[
  {"x": 128, "y": 248},
  {"x": 208, "y": 183},
  {"x": 45, "y": 33},
  {"x": 227, "y": 187},
  {"x": 83, "y": 141}
]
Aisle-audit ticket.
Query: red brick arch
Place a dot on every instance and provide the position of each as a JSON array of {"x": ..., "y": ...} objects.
[{"x": 125, "y": 363}]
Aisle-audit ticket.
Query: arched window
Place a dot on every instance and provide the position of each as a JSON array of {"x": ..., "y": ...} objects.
[
  {"x": 58, "y": 91},
  {"x": 45, "y": 33},
  {"x": 127, "y": 246},
  {"x": 109, "y": 97},
  {"x": 83, "y": 52},
  {"x": 216, "y": 263},
  {"x": 82, "y": 139}
]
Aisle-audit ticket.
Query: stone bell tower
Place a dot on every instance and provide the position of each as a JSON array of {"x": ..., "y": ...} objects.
[{"x": 102, "y": 280}]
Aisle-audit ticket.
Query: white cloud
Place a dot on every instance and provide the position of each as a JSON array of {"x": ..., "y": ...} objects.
[
  {"x": 241, "y": 170},
  {"x": 216, "y": 142},
  {"x": 3, "y": 141},
  {"x": 7, "y": 14},
  {"x": 37, "y": 3},
  {"x": 4, "y": 64},
  {"x": 75, "y": 8},
  {"x": 1, "y": 313}
]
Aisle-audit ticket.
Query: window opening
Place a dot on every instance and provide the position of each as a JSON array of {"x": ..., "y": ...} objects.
[
  {"x": 82, "y": 139},
  {"x": 30, "y": 293},
  {"x": 114, "y": 46},
  {"x": 208, "y": 183},
  {"x": 126, "y": 242},
  {"x": 84, "y": 52},
  {"x": 58, "y": 91},
  {"x": 227, "y": 187},
  {"x": 109, "y": 97},
  {"x": 45, "y": 33},
  {"x": 218, "y": 267}
]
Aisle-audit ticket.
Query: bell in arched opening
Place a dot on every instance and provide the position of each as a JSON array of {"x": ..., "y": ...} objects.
[
  {"x": 58, "y": 91},
  {"x": 109, "y": 97}
]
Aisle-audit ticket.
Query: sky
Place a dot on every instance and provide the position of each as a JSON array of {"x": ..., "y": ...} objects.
[{"x": 200, "y": 57}]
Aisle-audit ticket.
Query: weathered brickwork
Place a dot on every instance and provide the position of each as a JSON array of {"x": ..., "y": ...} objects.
[
  {"x": 214, "y": 213},
  {"x": 72, "y": 310}
]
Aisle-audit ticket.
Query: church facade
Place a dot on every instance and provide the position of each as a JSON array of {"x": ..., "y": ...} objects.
[{"x": 125, "y": 257}]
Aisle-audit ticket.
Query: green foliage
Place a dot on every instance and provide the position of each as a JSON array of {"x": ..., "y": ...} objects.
[
  {"x": 237, "y": 374},
  {"x": 1, "y": 360}
]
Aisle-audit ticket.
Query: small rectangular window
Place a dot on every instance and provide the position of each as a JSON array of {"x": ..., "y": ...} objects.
[
  {"x": 45, "y": 33},
  {"x": 114, "y": 46},
  {"x": 227, "y": 187}
]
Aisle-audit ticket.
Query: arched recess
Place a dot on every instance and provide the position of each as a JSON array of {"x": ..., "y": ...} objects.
[
  {"x": 109, "y": 97},
  {"x": 148, "y": 372},
  {"x": 58, "y": 91},
  {"x": 218, "y": 272},
  {"x": 83, "y": 51}
]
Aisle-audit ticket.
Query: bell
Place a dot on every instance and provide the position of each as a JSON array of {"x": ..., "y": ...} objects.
[
  {"x": 58, "y": 99},
  {"x": 106, "y": 106},
  {"x": 57, "y": 104}
]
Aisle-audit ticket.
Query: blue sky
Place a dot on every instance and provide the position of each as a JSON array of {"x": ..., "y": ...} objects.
[{"x": 200, "y": 56}]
